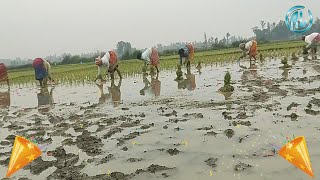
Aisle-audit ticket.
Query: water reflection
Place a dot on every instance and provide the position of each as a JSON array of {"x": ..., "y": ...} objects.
[
  {"x": 253, "y": 70},
  {"x": 5, "y": 99},
  {"x": 251, "y": 73},
  {"x": 285, "y": 73},
  {"x": 156, "y": 85},
  {"x": 103, "y": 96},
  {"x": 226, "y": 95},
  {"x": 188, "y": 83},
  {"x": 45, "y": 99},
  {"x": 199, "y": 67},
  {"x": 152, "y": 88},
  {"x": 114, "y": 93}
]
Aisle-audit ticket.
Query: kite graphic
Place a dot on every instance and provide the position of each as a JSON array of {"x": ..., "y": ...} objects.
[
  {"x": 23, "y": 153},
  {"x": 296, "y": 152}
]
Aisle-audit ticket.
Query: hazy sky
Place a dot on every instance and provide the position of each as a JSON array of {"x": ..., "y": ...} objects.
[{"x": 37, "y": 28}]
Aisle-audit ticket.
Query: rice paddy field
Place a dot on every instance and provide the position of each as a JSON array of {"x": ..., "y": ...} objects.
[
  {"x": 87, "y": 72},
  {"x": 147, "y": 127}
]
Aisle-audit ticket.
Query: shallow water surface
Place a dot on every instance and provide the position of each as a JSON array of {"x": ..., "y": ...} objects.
[{"x": 159, "y": 128}]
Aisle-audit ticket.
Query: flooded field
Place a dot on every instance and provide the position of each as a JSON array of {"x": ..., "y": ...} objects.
[{"x": 145, "y": 128}]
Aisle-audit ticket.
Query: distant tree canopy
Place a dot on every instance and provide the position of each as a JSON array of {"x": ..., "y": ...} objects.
[
  {"x": 76, "y": 59},
  {"x": 280, "y": 31},
  {"x": 267, "y": 32}
]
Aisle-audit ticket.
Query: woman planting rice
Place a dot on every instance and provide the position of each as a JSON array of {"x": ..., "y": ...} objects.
[
  {"x": 312, "y": 40},
  {"x": 3, "y": 73},
  {"x": 110, "y": 61},
  {"x": 42, "y": 70},
  {"x": 249, "y": 48},
  {"x": 186, "y": 54},
  {"x": 150, "y": 57}
]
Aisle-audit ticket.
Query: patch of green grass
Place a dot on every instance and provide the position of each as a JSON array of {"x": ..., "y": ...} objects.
[{"x": 88, "y": 71}]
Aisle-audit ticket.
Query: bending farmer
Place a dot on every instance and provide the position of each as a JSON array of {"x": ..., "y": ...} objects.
[
  {"x": 312, "y": 40},
  {"x": 150, "y": 57},
  {"x": 249, "y": 48}
]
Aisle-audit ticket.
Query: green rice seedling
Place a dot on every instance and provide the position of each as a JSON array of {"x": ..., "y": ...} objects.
[{"x": 227, "y": 83}]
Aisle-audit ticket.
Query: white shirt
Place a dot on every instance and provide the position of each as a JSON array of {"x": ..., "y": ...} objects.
[
  {"x": 248, "y": 45},
  {"x": 146, "y": 55},
  {"x": 105, "y": 59},
  {"x": 105, "y": 62},
  {"x": 47, "y": 66},
  {"x": 309, "y": 38}
]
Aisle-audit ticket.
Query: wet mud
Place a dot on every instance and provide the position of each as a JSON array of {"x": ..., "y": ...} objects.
[{"x": 180, "y": 133}]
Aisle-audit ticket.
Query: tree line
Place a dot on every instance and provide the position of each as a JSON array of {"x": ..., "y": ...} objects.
[{"x": 266, "y": 32}]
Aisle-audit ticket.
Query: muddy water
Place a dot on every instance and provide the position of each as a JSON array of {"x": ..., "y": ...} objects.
[{"x": 157, "y": 128}]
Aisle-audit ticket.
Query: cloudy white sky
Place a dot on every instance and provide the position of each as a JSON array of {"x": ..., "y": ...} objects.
[{"x": 36, "y": 28}]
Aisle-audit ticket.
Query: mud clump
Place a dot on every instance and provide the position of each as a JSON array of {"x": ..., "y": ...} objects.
[
  {"x": 293, "y": 116},
  {"x": 242, "y": 115},
  {"x": 243, "y": 123},
  {"x": 176, "y": 120},
  {"x": 211, "y": 133},
  {"x": 147, "y": 126},
  {"x": 227, "y": 88},
  {"x": 55, "y": 119},
  {"x": 242, "y": 138},
  {"x": 312, "y": 112},
  {"x": 128, "y": 137},
  {"x": 165, "y": 175},
  {"x": 130, "y": 124},
  {"x": 11, "y": 138},
  {"x": 174, "y": 113},
  {"x": 315, "y": 102},
  {"x": 260, "y": 96},
  {"x": 125, "y": 148},
  {"x": 156, "y": 168},
  {"x": 195, "y": 115},
  {"x": 134, "y": 159},
  {"x": 5, "y": 162},
  {"x": 173, "y": 151},
  {"x": 89, "y": 144},
  {"x": 106, "y": 159},
  {"x": 5, "y": 143},
  {"x": 112, "y": 132},
  {"x": 73, "y": 172},
  {"x": 205, "y": 128},
  {"x": 68, "y": 142},
  {"x": 293, "y": 104},
  {"x": 226, "y": 115},
  {"x": 118, "y": 175},
  {"x": 212, "y": 162},
  {"x": 14, "y": 126},
  {"x": 178, "y": 129},
  {"x": 38, "y": 166},
  {"x": 229, "y": 133},
  {"x": 241, "y": 167}
]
